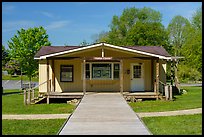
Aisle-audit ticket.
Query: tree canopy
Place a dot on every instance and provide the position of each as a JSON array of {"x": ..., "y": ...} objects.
[
  {"x": 136, "y": 27},
  {"x": 4, "y": 54},
  {"x": 143, "y": 27},
  {"x": 177, "y": 31},
  {"x": 192, "y": 48},
  {"x": 24, "y": 45}
]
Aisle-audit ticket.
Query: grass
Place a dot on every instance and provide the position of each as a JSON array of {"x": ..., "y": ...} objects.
[
  {"x": 175, "y": 125},
  {"x": 18, "y": 77},
  {"x": 193, "y": 99},
  {"x": 31, "y": 127},
  {"x": 13, "y": 104},
  {"x": 168, "y": 125},
  {"x": 10, "y": 91}
]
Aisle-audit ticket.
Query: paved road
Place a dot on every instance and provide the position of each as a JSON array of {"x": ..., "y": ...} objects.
[
  {"x": 14, "y": 84},
  {"x": 104, "y": 114}
]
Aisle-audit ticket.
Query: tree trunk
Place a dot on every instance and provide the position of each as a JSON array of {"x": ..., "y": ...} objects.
[
  {"x": 29, "y": 81},
  {"x": 21, "y": 79}
]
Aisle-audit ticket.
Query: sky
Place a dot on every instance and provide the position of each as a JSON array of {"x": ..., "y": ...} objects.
[{"x": 70, "y": 23}]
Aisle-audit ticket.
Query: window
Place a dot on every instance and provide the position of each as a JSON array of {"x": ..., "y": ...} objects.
[
  {"x": 137, "y": 71},
  {"x": 87, "y": 70},
  {"x": 101, "y": 71},
  {"x": 66, "y": 73},
  {"x": 116, "y": 71}
]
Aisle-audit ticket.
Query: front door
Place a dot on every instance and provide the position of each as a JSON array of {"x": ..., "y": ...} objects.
[{"x": 137, "y": 77}]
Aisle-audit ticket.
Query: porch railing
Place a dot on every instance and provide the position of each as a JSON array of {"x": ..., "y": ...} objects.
[
  {"x": 166, "y": 90},
  {"x": 29, "y": 93}
]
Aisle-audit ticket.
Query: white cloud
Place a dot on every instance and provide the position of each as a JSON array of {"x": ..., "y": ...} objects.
[
  {"x": 50, "y": 15},
  {"x": 57, "y": 24},
  {"x": 16, "y": 25},
  {"x": 7, "y": 8}
]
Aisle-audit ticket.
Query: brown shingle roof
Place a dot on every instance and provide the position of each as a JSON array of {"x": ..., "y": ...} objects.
[
  {"x": 158, "y": 50},
  {"x": 46, "y": 50}
]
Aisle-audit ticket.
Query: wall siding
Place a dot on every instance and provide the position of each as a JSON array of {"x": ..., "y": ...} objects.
[{"x": 98, "y": 85}]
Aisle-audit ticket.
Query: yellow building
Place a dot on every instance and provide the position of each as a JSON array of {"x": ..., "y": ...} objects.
[{"x": 102, "y": 67}]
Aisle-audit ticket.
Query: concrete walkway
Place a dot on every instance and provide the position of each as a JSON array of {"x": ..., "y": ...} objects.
[
  {"x": 171, "y": 113},
  {"x": 36, "y": 116},
  {"x": 104, "y": 114},
  {"x": 65, "y": 116}
]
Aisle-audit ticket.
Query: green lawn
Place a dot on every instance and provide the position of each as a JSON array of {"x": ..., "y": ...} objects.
[
  {"x": 193, "y": 99},
  {"x": 18, "y": 77},
  {"x": 7, "y": 91},
  {"x": 175, "y": 125},
  {"x": 181, "y": 125},
  {"x": 13, "y": 104},
  {"x": 32, "y": 127}
]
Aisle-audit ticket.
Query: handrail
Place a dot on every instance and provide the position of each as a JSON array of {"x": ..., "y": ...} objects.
[
  {"x": 41, "y": 84},
  {"x": 28, "y": 101},
  {"x": 162, "y": 83}
]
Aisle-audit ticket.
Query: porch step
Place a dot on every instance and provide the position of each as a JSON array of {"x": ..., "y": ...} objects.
[{"x": 36, "y": 101}]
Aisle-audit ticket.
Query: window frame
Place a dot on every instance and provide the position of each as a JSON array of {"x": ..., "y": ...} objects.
[
  {"x": 138, "y": 71},
  {"x": 94, "y": 78},
  {"x": 116, "y": 70},
  {"x": 72, "y": 70},
  {"x": 91, "y": 70}
]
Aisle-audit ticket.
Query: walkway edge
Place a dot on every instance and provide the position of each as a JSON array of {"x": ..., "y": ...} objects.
[
  {"x": 36, "y": 116},
  {"x": 68, "y": 117},
  {"x": 171, "y": 113}
]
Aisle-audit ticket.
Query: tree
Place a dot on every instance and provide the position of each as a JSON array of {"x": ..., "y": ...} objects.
[
  {"x": 147, "y": 34},
  {"x": 136, "y": 27},
  {"x": 197, "y": 19},
  {"x": 100, "y": 37},
  {"x": 12, "y": 66},
  {"x": 24, "y": 45},
  {"x": 5, "y": 56},
  {"x": 177, "y": 31},
  {"x": 192, "y": 48},
  {"x": 186, "y": 37},
  {"x": 84, "y": 43}
]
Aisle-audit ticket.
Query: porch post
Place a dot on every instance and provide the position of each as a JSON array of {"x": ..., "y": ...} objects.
[
  {"x": 176, "y": 78},
  {"x": 121, "y": 76},
  {"x": 84, "y": 76},
  {"x": 157, "y": 78},
  {"x": 152, "y": 71},
  {"x": 48, "y": 88},
  {"x": 53, "y": 76},
  {"x": 172, "y": 73}
]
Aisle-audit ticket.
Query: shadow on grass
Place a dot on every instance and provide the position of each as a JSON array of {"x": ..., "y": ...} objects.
[{"x": 9, "y": 93}]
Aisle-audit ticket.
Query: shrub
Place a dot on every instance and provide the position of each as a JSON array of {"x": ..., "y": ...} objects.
[{"x": 186, "y": 73}]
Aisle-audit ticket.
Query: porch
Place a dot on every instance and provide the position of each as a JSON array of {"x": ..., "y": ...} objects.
[{"x": 103, "y": 67}]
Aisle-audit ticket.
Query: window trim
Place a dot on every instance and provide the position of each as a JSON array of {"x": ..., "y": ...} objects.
[
  {"x": 142, "y": 70},
  {"x": 111, "y": 69},
  {"x": 91, "y": 71},
  {"x": 72, "y": 68}
]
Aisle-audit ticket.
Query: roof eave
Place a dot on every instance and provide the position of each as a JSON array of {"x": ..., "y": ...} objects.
[{"x": 104, "y": 44}]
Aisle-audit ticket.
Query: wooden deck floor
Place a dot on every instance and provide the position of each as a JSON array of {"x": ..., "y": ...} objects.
[
  {"x": 132, "y": 96},
  {"x": 66, "y": 95},
  {"x": 81, "y": 94}
]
